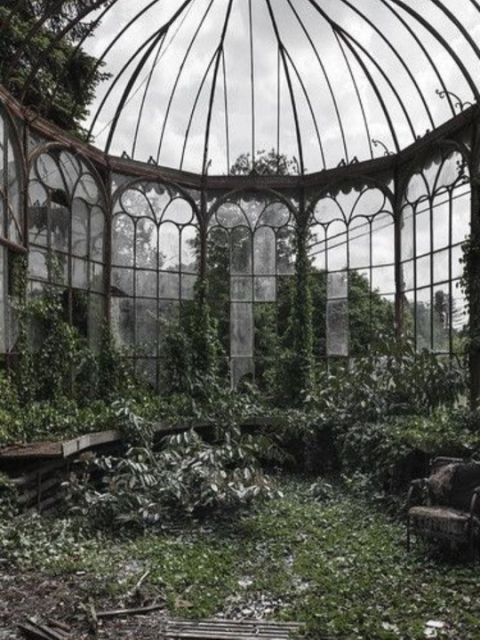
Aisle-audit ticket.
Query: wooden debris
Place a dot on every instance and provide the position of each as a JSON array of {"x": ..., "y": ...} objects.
[
  {"x": 230, "y": 630},
  {"x": 136, "y": 588},
  {"x": 33, "y": 629},
  {"x": 60, "y": 625},
  {"x": 130, "y": 612}
]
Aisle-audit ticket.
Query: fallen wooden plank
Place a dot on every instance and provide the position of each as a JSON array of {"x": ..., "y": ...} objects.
[
  {"x": 234, "y": 624},
  {"x": 33, "y": 632},
  {"x": 41, "y": 632},
  {"x": 60, "y": 625},
  {"x": 76, "y": 445},
  {"x": 230, "y": 630},
  {"x": 224, "y": 635},
  {"x": 130, "y": 612}
]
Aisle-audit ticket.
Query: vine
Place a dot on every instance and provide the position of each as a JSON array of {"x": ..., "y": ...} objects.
[
  {"x": 295, "y": 375},
  {"x": 191, "y": 348},
  {"x": 471, "y": 285}
]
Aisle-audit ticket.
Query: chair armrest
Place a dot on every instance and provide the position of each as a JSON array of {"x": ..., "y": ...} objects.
[
  {"x": 416, "y": 485},
  {"x": 440, "y": 461},
  {"x": 474, "y": 501}
]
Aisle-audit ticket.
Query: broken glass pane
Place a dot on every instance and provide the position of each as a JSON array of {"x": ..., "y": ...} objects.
[
  {"x": 188, "y": 287},
  {"x": 264, "y": 251},
  {"x": 422, "y": 231},
  {"x": 423, "y": 319},
  {"x": 241, "y": 327},
  {"x": 241, "y": 251},
  {"x": 123, "y": 241},
  {"x": 242, "y": 369},
  {"x": 122, "y": 282},
  {"x": 383, "y": 239},
  {"x": 337, "y": 328},
  {"x": 80, "y": 218},
  {"x": 190, "y": 249},
  {"x": 147, "y": 326},
  {"x": 146, "y": 244},
  {"x": 241, "y": 288},
  {"x": 265, "y": 289},
  {"x": 337, "y": 285},
  {"x": 169, "y": 247},
  {"x": 79, "y": 273},
  {"x": 123, "y": 320},
  {"x": 337, "y": 246},
  {"x": 424, "y": 275},
  {"x": 407, "y": 232},
  {"x": 359, "y": 243},
  {"x": 97, "y": 230},
  {"x": 441, "y": 222},
  {"x": 146, "y": 284},
  {"x": 383, "y": 279},
  {"x": 441, "y": 266}
]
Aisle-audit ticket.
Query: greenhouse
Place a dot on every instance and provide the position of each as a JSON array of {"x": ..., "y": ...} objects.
[{"x": 261, "y": 215}]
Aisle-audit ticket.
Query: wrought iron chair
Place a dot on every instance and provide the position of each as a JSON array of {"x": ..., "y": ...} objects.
[{"x": 452, "y": 509}]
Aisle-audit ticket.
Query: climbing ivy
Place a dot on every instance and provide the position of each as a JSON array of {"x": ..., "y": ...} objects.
[
  {"x": 471, "y": 286},
  {"x": 294, "y": 369},
  {"x": 191, "y": 347}
]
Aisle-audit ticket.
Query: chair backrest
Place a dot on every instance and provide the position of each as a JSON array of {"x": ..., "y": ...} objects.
[{"x": 453, "y": 483}]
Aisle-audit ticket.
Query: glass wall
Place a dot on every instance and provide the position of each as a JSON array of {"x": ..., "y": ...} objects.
[
  {"x": 155, "y": 263},
  {"x": 250, "y": 253},
  {"x": 435, "y": 221},
  {"x": 385, "y": 251},
  {"x": 66, "y": 227},
  {"x": 352, "y": 250},
  {"x": 11, "y": 227}
]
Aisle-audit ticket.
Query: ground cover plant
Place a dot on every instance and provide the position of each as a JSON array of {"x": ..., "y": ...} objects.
[
  {"x": 195, "y": 521},
  {"x": 316, "y": 553}
]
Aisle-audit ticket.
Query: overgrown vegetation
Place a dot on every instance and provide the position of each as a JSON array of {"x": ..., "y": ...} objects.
[{"x": 318, "y": 554}]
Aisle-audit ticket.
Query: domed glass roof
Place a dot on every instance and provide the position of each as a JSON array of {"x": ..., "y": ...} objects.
[{"x": 197, "y": 83}]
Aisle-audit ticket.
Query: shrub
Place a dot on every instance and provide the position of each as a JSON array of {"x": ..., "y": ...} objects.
[
  {"x": 391, "y": 451},
  {"x": 187, "y": 475}
]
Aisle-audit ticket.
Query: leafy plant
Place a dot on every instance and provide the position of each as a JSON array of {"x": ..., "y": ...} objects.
[{"x": 188, "y": 474}]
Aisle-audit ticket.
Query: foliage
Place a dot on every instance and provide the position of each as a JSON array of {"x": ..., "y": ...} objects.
[
  {"x": 471, "y": 285},
  {"x": 358, "y": 402},
  {"x": 188, "y": 474},
  {"x": 384, "y": 451},
  {"x": 393, "y": 380},
  {"x": 190, "y": 348},
  {"x": 318, "y": 556},
  {"x": 295, "y": 373},
  {"x": 59, "y": 386},
  {"x": 265, "y": 163},
  {"x": 64, "y": 84}
]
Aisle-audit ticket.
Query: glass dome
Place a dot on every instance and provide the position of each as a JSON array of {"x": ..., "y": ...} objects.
[
  {"x": 195, "y": 84},
  {"x": 230, "y": 142}
]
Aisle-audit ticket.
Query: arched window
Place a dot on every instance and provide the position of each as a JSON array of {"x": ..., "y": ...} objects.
[
  {"x": 155, "y": 262},
  {"x": 66, "y": 226}
]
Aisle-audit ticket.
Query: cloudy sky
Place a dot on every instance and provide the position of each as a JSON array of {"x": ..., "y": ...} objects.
[{"x": 316, "y": 62}]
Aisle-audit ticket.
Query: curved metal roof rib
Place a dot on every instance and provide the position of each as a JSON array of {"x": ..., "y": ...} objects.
[{"x": 196, "y": 83}]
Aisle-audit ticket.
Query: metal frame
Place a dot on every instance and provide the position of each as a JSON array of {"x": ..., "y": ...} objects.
[
  {"x": 296, "y": 97},
  {"x": 388, "y": 176}
]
